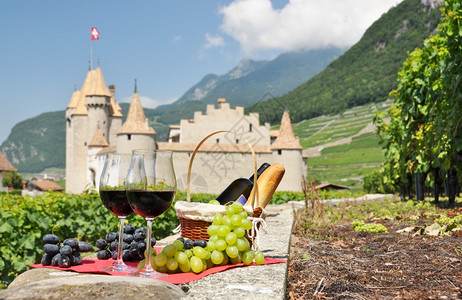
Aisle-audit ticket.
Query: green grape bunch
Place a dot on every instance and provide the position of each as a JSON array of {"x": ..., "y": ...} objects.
[{"x": 227, "y": 245}]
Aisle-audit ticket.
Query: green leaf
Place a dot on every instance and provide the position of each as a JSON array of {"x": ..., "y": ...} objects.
[{"x": 6, "y": 227}]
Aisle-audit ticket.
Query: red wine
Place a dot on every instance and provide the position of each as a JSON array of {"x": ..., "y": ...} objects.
[
  {"x": 150, "y": 204},
  {"x": 116, "y": 201}
]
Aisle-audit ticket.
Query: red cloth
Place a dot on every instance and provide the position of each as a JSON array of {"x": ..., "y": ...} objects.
[{"x": 94, "y": 266}]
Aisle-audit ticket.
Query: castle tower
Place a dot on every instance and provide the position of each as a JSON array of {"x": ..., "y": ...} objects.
[
  {"x": 116, "y": 120},
  {"x": 287, "y": 150},
  {"x": 91, "y": 109},
  {"x": 135, "y": 133},
  {"x": 98, "y": 102},
  {"x": 95, "y": 162}
]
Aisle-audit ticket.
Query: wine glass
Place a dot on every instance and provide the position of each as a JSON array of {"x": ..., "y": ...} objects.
[
  {"x": 151, "y": 187},
  {"x": 114, "y": 198}
]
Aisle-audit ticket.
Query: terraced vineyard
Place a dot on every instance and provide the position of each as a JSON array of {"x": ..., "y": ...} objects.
[{"x": 342, "y": 148}]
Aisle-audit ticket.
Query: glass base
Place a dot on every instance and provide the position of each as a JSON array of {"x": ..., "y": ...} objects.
[
  {"x": 148, "y": 274},
  {"x": 120, "y": 268}
]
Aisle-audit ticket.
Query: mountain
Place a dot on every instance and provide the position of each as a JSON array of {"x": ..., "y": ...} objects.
[
  {"x": 37, "y": 143},
  {"x": 250, "y": 80},
  {"x": 366, "y": 73}
]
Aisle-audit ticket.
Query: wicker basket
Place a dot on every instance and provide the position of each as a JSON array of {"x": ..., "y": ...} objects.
[{"x": 196, "y": 217}]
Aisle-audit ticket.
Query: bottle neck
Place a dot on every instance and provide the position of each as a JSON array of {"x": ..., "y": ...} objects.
[{"x": 260, "y": 170}]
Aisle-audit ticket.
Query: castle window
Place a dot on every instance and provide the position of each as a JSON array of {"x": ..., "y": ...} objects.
[
  {"x": 85, "y": 144},
  {"x": 250, "y": 127},
  {"x": 68, "y": 122},
  {"x": 237, "y": 141},
  {"x": 279, "y": 152},
  {"x": 129, "y": 136},
  {"x": 218, "y": 141}
]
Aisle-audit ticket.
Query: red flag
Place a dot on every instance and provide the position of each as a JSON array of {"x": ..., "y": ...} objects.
[{"x": 94, "y": 33}]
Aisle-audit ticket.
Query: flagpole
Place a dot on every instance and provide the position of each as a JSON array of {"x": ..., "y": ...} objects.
[
  {"x": 94, "y": 36},
  {"x": 91, "y": 55}
]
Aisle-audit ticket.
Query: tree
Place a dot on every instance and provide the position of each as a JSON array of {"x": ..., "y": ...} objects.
[
  {"x": 12, "y": 179},
  {"x": 424, "y": 133}
]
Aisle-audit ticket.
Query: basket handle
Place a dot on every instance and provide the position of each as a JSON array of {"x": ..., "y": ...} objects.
[{"x": 188, "y": 194}]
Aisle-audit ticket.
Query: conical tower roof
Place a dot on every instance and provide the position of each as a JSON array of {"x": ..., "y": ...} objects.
[
  {"x": 136, "y": 122},
  {"x": 98, "y": 139},
  {"x": 116, "y": 110},
  {"x": 93, "y": 85},
  {"x": 97, "y": 84},
  {"x": 74, "y": 99},
  {"x": 286, "y": 138}
]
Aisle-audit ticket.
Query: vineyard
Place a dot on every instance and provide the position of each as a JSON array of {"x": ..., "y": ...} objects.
[{"x": 423, "y": 143}]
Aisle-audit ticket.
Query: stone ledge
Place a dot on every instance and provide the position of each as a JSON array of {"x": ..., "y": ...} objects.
[{"x": 46, "y": 283}]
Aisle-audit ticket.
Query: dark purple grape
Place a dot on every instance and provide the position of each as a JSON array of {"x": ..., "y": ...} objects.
[
  {"x": 139, "y": 236},
  {"x": 73, "y": 243},
  {"x": 46, "y": 260},
  {"x": 126, "y": 255},
  {"x": 101, "y": 244},
  {"x": 85, "y": 247},
  {"x": 114, "y": 255},
  {"x": 153, "y": 241},
  {"x": 51, "y": 249},
  {"x": 200, "y": 243},
  {"x": 77, "y": 259},
  {"x": 125, "y": 246},
  {"x": 66, "y": 250},
  {"x": 55, "y": 260},
  {"x": 128, "y": 228},
  {"x": 113, "y": 246},
  {"x": 133, "y": 253},
  {"x": 50, "y": 239},
  {"x": 110, "y": 237},
  {"x": 128, "y": 238},
  {"x": 181, "y": 239},
  {"x": 141, "y": 246},
  {"x": 103, "y": 254},
  {"x": 72, "y": 260},
  {"x": 64, "y": 261},
  {"x": 188, "y": 244}
]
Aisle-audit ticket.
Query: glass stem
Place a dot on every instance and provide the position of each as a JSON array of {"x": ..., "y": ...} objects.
[
  {"x": 147, "y": 266},
  {"x": 120, "y": 261}
]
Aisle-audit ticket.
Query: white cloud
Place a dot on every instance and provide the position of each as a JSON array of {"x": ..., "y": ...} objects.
[
  {"x": 177, "y": 38},
  {"x": 213, "y": 41},
  {"x": 300, "y": 24},
  {"x": 147, "y": 102}
]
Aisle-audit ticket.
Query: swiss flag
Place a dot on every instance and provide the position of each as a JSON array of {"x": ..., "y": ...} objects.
[{"x": 94, "y": 33}]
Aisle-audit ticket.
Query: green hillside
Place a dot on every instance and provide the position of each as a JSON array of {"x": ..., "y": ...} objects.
[
  {"x": 342, "y": 148},
  {"x": 366, "y": 73}
]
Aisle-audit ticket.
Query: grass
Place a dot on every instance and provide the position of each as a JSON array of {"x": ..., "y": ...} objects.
[
  {"x": 410, "y": 213},
  {"x": 346, "y": 163}
]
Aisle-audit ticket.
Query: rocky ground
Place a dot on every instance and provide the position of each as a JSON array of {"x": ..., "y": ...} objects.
[{"x": 336, "y": 262}]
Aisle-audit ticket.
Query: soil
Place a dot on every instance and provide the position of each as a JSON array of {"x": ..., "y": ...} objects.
[{"x": 336, "y": 262}]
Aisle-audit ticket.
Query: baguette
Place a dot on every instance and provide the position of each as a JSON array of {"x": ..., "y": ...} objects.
[{"x": 267, "y": 184}]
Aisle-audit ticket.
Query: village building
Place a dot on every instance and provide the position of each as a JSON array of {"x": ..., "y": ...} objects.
[
  {"x": 35, "y": 187},
  {"x": 94, "y": 127},
  {"x": 5, "y": 166}
]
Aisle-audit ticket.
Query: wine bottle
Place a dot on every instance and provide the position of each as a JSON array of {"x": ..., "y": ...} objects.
[{"x": 240, "y": 186}]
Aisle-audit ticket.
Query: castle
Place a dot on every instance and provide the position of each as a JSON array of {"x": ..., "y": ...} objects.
[{"x": 94, "y": 127}]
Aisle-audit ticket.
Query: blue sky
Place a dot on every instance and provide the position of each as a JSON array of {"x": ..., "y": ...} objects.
[{"x": 168, "y": 46}]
